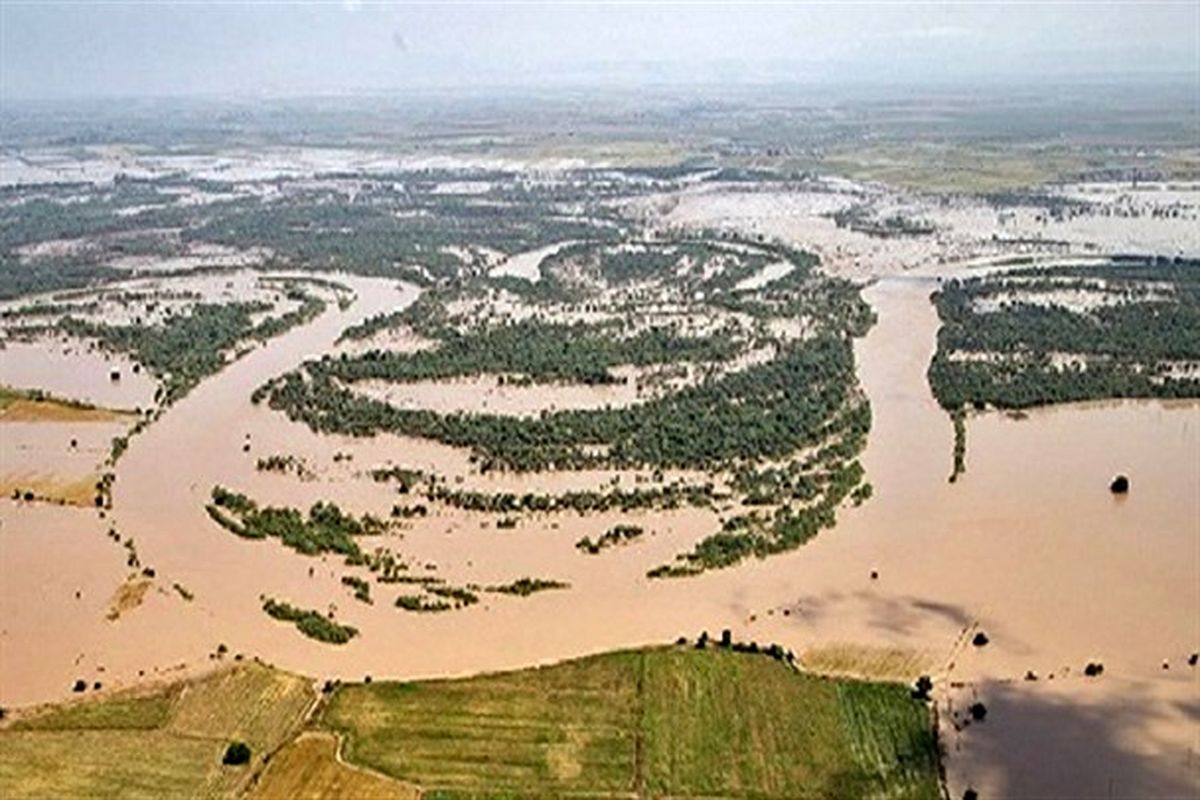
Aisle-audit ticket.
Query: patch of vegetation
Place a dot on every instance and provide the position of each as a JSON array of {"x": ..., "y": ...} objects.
[
  {"x": 361, "y": 587},
  {"x": 760, "y": 535},
  {"x": 285, "y": 464},
  {"x": 19, "y": 279},
  {"x": 958, "y": 416},
  {"x": 123, "y": 711},
  {"x": 36, "y": 405},
  {"x": 325, "y": 529},
  {"x": 458, "y": 596},
  {"x": 421, "y": 604},
  {"x": 186, "y": 348},
  {"x": 236, "y": 754},
  {"x": 523, "y": 587},
  {"x": 312, "y": 624},
  {"x": 618, "y": 534},
  {"x": 396, "y": 226},
  {"x": 1010, "y": 341}
]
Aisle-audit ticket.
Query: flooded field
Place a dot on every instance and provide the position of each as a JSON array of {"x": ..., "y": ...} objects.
[
  {"x": 1028, "y": 546},
  {"x": 69, "y": 369}
]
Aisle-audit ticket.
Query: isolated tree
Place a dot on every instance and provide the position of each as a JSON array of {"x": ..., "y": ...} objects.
[{"x": 236, "y": 754}]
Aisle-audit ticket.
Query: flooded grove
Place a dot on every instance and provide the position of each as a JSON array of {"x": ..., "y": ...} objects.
[{"x": 1028, "y": 546}]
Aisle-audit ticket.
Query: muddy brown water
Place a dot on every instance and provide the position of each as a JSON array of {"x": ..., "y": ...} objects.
[{"x": 1028, "y": 546}]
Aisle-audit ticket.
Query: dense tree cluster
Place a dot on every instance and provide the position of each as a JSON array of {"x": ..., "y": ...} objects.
[
  {"x": 382, "y": 227},
  {"x": 18, "y": 278},
  {"x": 361, "y": 587},
  {"x": 523, "y": 587},
  {"x": 311, "y": 623},
  {"x": 760, "y": 536},
  {"x": 185, "y": 348},
  {"x": 1011, "y": 355},
  {"x": 325, "y": 529},
  {"x": 534, "y": 351},
  {"x": 764, "y": 411}
]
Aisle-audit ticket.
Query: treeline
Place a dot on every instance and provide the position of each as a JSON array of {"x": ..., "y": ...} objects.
[
  {"x": 1026, "y": 382},
  {"x": 537, "y": 351},
  {"x": 523, "y": 587},
  {"x": 764, "y": 411},
  {"x": 586, "y": 501}
]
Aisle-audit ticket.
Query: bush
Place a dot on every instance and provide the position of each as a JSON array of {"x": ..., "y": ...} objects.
[{"x": 236, "y": 754}]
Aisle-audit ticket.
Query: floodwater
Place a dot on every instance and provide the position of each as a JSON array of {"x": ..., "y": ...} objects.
[
  {"x": 1028, "y": 546},
  {"x": 66, "y": 368}
]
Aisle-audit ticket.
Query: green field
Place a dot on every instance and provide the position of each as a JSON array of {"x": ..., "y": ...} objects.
[
  {"x": 663, "y": 722},
  {"x": 669, "y": 722}
]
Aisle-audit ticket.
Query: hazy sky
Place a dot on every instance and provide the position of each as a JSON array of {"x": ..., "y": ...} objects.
[{"x": 50, "y": 49}]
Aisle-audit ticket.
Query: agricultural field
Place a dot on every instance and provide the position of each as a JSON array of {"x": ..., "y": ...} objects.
[
  {"x": 668, "y": 722},
  {"x": 661, "y": 722},
  {"x": 308, "y": 768},
  {"x": 100, "y": 747}
]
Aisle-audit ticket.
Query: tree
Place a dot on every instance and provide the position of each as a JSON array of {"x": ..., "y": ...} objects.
[{"x": 236, "y": 754}]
